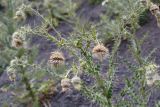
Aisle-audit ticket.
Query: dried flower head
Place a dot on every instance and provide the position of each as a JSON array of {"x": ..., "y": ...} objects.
[
  {"x": 65, "y": 84},
  {"x": 20, "y": 15},
  {"x": 151, "y": 73},
  {"x": 76, "y": 81},
  {"x": 57, "y": 59},
  {"x": 100, "y": 52},
  {"x": 17, "y": 41},
  {"x": 154, "y": 9}
]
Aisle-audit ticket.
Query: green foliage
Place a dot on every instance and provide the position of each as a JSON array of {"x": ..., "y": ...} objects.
[
  {"x": 116, "y": 22},
  {"x": 156, "y": 1},
  {"x": 144, "y": 17},
  {"x": 7, "y": 27},
  {"x": 94, "y": 2},
  {"x": 56, "y": 14}
]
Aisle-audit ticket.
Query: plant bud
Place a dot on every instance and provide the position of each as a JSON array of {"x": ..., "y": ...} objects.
[
  {"x": 17, "y": 41},
  {"x": 20, "y": 16},
  {"x": 15, "y": 35},
  {"x": 65, "y": 84},
  {"x": 100, "y": 52},
  {"x": 57, "y": 59},
  {"x": 76, "y": 81},
  {"x": 11, "y": 74},
  {"x": 14, "y": 62},
  {"x": 154, "y": 9},
  {"x": 12, "y": 77}
]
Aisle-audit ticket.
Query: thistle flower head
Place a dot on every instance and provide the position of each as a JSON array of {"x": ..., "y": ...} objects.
[
  {"x": 154, "y": 9},
  {"x": 17, "y": 43},
  {"x": 20, "y": 15},
  {"x": 100, "y": 52},
  {"x": 17, "y": 40},
  {"x": 76, "y": 81},
  {"x": 57, "y": 59},
  {"x": 65, "y": 84}
]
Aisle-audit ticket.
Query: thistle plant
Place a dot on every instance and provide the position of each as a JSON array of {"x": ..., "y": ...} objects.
[
  {"x": 23, "y": 71},
  {"x": 7, "y": 27},
  {"x": 20, "y": 64},
  {"x": 90, "y": 53}
]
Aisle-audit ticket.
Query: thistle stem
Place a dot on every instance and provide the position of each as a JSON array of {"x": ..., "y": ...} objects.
[{"x": 28, "y": 86}]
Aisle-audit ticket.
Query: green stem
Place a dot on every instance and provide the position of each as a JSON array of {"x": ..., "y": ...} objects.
[
  {"x": 98, "y": 78},
  {"x": 28, "y": 86},
  {"x": 105, "y": 90},
  {"x": 141, "y": 63}
]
